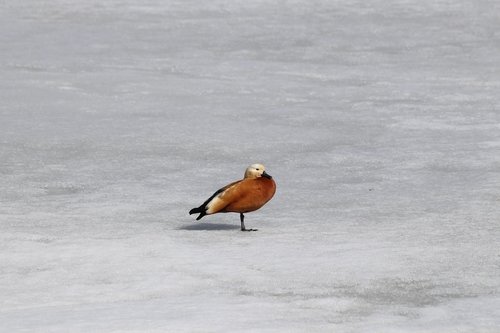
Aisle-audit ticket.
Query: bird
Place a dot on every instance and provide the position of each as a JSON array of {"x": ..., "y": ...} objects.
[{"x": 242, "y": 196}]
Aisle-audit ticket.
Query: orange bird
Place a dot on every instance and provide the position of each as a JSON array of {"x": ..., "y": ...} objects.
[{"x": 246, "y": 195}]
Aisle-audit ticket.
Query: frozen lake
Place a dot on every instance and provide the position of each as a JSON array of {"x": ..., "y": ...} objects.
[{"x": 379, "y": 121}]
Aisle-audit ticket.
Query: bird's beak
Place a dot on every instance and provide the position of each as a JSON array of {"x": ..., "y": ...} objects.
[{"x": 265, "y": 174}]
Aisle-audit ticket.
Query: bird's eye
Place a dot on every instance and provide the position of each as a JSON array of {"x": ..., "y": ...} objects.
[{"x": 257, "y": 169}]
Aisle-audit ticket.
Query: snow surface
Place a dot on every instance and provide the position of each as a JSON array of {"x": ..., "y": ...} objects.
[{"x": 379, "y": 120}]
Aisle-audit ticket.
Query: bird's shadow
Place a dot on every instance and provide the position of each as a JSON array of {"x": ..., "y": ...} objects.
[{"x": 209, "y": 226}]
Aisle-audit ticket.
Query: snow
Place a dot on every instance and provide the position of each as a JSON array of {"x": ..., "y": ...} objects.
[{"x": 379, "y": 121}]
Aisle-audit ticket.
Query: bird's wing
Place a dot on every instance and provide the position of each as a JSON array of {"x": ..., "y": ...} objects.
[{"x": 216, "y": 202}]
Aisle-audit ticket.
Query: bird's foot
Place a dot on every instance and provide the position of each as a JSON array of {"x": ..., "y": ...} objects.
[{"x": 249, "y": 229}]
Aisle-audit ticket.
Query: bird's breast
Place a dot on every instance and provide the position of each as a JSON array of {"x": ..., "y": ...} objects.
[{"x": 250, "y": 195}]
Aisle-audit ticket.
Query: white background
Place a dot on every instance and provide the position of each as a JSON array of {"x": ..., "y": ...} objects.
[{"x": 379, "y": 120}]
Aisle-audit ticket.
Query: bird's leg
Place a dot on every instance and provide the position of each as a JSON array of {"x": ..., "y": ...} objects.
[{"x": 242, "y": 217}]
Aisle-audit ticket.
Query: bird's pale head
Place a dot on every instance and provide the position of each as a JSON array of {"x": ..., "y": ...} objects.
[{"x": 256, "y": 170}]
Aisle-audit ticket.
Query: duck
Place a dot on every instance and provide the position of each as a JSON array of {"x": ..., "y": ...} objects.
[{"x": 242, "y": 196}]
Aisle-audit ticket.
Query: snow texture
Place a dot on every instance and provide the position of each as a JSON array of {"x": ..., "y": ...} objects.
[{"x": 379, "y": 120}]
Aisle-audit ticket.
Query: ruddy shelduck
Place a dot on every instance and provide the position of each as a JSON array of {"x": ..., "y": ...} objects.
[{"x": 246, "y": 195}]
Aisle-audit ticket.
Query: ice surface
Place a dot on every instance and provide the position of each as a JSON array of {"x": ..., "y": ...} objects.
[{"x": 379, "y": 120}]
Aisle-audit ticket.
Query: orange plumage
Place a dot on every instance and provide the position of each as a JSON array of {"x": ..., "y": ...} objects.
[{"x": 243, "y": 196}]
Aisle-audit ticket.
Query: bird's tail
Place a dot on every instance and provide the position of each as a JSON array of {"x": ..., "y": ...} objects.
[{"x": 200, "y": 210}]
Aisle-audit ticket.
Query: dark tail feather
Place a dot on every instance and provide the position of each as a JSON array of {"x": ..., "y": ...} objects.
[
  {"x": 203, "y": 208},
  {"x": 197, "y": 210}
]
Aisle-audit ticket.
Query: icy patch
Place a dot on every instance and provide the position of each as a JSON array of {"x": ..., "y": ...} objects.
[{"x": 378, "y": 120}]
